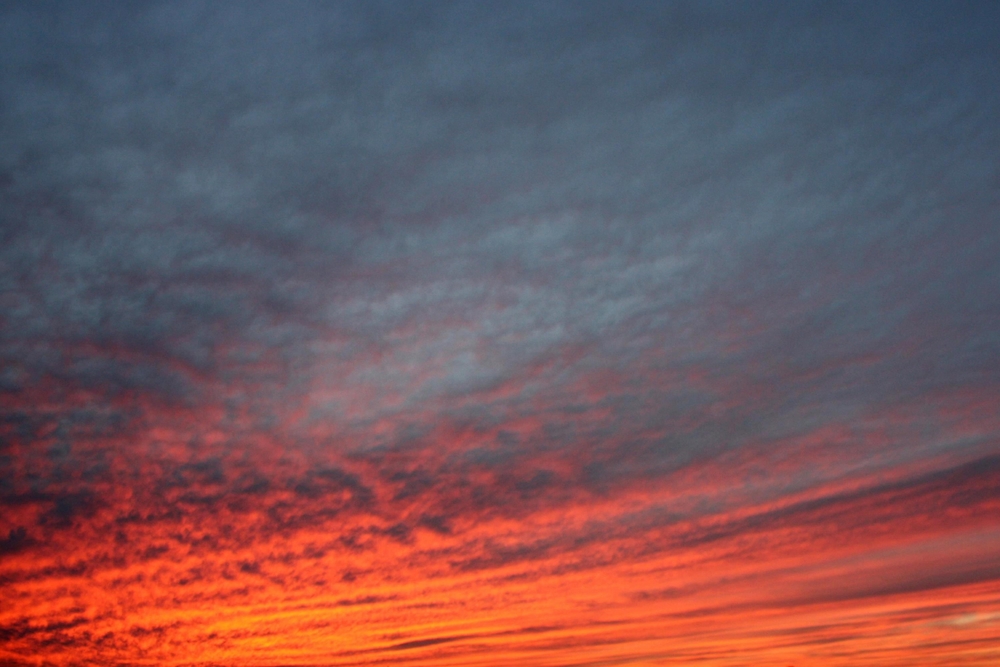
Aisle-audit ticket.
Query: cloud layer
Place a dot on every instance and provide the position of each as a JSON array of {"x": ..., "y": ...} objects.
[{"x": 567, "y": 333}]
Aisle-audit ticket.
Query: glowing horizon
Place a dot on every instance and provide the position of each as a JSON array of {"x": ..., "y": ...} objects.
[{"x": 558, "y": 334}]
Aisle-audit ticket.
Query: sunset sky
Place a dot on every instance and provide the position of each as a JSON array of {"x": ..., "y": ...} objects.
[{"x": 499, "y": 333}]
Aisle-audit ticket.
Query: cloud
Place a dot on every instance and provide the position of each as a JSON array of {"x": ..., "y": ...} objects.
[{"x": 440, "y": 311}]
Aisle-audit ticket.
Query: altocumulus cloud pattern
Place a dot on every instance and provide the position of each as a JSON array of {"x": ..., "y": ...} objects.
[{"x": 459, "y": 333}]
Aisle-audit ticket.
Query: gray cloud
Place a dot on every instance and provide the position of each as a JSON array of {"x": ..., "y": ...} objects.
[{"x": 448, "y": 214}]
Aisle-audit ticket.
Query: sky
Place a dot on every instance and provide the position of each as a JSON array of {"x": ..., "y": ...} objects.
[{"x": 523, "y": 333}]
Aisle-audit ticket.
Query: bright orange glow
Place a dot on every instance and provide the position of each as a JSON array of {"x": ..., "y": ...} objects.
[{"x": 251, "y": 554}]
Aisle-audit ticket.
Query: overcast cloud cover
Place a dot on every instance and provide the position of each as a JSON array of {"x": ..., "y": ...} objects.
[{"x": 448, "y": 314}]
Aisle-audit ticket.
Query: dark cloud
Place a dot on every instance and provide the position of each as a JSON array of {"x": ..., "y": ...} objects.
[{"x": 17, "y": 540}]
